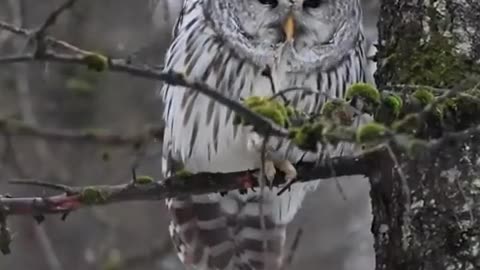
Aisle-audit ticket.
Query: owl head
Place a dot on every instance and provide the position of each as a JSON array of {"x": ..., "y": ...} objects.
[{"x": 308, "y": 33}]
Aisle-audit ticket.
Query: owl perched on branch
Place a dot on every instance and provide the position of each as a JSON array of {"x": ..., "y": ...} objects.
[{"x": 229, "y": 44}]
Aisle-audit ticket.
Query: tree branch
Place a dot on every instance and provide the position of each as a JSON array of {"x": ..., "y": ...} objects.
[
  {"x": 145, "y": 189},
  {"x": 99, "y": 136},
  {"x": 101, "y": 62}
]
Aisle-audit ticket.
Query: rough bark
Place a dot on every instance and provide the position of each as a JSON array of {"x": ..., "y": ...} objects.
[{"x": 436, "y": 43}]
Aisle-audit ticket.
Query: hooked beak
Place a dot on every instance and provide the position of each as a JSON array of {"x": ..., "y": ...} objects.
[{"x": 289, "y": 28}]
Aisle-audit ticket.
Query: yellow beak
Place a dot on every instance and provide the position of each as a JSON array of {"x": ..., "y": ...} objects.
[{"x": 289, "y": 28}]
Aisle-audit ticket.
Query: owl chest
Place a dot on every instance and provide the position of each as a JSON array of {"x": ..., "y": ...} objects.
[{"x": 202, "y": 130}]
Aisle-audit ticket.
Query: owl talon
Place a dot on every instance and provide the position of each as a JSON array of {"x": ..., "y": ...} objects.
[
  {"x": 255, "y": 142},
  {"x": 285, "y": 166},
  {"x": 269, "y": 171},
  {"x": 288, "y": 169},
  {"x": 290, "y": 175}
]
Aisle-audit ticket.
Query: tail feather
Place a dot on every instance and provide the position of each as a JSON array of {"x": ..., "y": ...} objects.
[
  {"x": 200, "y": 233},
  {"x": 260, "y": 247},
  {"x": 211, "y": 233}
]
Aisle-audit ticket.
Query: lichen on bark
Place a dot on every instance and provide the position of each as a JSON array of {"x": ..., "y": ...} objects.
[
  {"x": 426, "y": 44},
  {"x": 434, "y": 43}
]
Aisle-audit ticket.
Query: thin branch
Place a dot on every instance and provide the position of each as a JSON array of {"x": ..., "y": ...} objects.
[
  {"x": 168, "y": 77},
  {"x": 121, "y": 65},
  {"x": 54, "y": 15},
  {"x": 41, "y": 149},
  {"x": 26, "y": 33},
  {"x": 145, "y": 189},
  {"x": 99, "y": 136},
  {"x": 14, "y": 9}
]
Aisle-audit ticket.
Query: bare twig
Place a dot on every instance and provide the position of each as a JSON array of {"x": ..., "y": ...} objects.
[
  {"x": 14, "y": 9},
  {"x": 169, "y": 77},
  {"x": 53, "y": 16},
  {"x": 26, "y": 33},
  {"x": 121, "y": 65},
  {"x": 99, "y": 136},
  {"x": 41, "y": 149}
]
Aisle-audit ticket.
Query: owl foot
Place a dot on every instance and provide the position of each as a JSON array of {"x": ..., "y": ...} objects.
[
  {"x": 256, "y": 143},
  {"x": 285, "y": 166}
]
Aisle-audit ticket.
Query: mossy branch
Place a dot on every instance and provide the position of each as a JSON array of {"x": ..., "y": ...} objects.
[{"x": 415, "y": 118}]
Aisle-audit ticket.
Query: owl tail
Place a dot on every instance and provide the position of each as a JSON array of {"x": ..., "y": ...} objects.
[{"x": 215, "y": 232}]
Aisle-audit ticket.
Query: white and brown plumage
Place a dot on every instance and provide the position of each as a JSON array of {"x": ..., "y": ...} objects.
[{"x": 317, "y": 44}]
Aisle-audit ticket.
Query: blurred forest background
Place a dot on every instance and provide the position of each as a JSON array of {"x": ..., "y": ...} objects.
[{"x": 336, "y": 224}]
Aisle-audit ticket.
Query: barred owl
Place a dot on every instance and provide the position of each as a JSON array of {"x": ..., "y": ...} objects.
[{"x": 228, "y": 44}]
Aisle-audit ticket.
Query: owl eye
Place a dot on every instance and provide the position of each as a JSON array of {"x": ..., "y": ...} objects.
[
  {"x": 312, "y": 3},
  {"x": 272, "y": 3}
]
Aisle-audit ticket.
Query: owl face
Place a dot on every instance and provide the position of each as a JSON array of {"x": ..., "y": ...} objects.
[
  {"x": 308, "y": 28},
  {"x": 302, "y": 22}
]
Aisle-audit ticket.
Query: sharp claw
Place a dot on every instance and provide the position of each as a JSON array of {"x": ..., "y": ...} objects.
[
  {"x": 270, "y": 171},
  {"x": 287, "y": 167},
  {"x": 255, "y": 142}
]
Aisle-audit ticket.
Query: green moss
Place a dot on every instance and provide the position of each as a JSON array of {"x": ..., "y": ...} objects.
[
  {"x": 330, "y": 106},
  {"x": 183, "y": 173},
  {"x": 394, "y": 102},
  {"x": 272, "y": 109},
  {"x": 371, "y": 133},
  {"x": 144, "y": 180},
  {"x": 92, "y": 195},
  {"x": 431, "y": 59},
  {"x": 390, "y": 108},
  {"x": 255, "y": 101},
  {"x": 424, "y": 96},
  {"x": 273, "y": 113},
  {"x": 96, "y": 62},
  {"x": 307, "y": 136},
  {"x": 365, "y": 91},
  {"x": 338, "y": 111}
]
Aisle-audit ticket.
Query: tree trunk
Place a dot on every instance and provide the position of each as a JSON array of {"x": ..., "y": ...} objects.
[{"x": 435, "y": 43}]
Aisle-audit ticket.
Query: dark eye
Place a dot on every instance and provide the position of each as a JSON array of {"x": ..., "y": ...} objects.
[
  {"x": 272, "y": 3},
  {"x": 312, "y": 3}
]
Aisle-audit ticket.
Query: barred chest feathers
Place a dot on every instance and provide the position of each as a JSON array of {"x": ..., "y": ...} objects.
[
  {"x": 208, "y": 134},
  {"x": 200, "y": 134}
]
